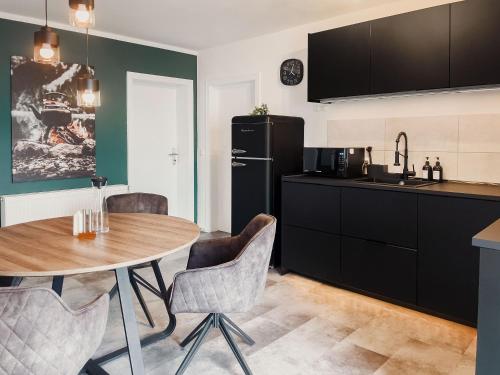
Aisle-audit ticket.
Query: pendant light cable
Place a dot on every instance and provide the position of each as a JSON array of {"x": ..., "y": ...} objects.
[
  {"x": 88, "y": 93},
  {"x": 87, "y": 48},
  {"x": 46, "y": 14}
]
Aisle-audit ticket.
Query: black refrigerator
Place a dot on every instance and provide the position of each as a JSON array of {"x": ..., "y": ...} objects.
[{"x": 263, "y": 149}]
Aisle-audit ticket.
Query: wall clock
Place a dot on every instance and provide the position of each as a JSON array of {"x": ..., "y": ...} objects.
[{"x": 291, "y": 72}]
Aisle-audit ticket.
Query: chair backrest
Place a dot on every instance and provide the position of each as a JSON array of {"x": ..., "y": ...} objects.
[
  {"x": 252, "y": 264},
  {"x": 40, "y": 334},
  {"x": 257, "y": 224},
  {"x": 138, "y": 203}
]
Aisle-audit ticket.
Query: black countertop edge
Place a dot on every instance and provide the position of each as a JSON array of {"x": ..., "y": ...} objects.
[
  {"x": 447, "y": 188},
  {"x": 489, "y": 238}
]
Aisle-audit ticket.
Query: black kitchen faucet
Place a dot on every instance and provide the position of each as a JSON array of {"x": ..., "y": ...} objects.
[{"x": 406, "y": 171}]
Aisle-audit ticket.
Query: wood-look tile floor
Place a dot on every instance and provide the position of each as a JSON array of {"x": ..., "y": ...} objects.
[{"x": 300, "y": 327}]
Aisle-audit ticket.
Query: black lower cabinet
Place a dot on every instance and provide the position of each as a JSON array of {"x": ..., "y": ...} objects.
[
  {"x": 311, "y": 253},
  {"x": 380, "y": 268},
  {"x": 448, "y": 264},
  {"x": 407, "y": 247}
]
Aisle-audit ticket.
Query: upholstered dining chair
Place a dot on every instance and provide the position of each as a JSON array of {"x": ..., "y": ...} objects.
[
  {"x": 40, "y": 334},
  {"x": 225, "y": 275},
  {"x": 140, "y": 203}
]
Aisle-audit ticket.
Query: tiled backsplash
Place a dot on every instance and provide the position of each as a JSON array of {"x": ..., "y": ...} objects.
[{"x": 468, "y": 146}]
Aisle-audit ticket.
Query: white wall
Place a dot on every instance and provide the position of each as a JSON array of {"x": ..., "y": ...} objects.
[{"x": 263, "y": 55}]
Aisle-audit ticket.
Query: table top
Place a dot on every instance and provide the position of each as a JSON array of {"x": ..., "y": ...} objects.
[
  {"x": 48, "y": 247},
  {"x": 489, "y": 238}
]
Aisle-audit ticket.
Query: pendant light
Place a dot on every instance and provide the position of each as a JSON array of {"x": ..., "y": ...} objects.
[
  {"x": 88, "y": 93},
  {"x": 46, "y": 49},
  {"x": 81, "y": 13}
]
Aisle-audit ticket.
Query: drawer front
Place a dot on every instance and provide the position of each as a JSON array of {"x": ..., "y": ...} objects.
[
  {"x": 311, "y": 206},
  {"x": 379, "y": 268},
  {"x": 384, "y": 216},
  {"x": 311, "y": 253}
]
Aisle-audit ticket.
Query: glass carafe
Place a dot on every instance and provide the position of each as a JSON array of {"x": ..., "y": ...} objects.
[{"x": 100, "y": 207}]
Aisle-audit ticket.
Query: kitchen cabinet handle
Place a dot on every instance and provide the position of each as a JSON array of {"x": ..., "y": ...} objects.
[
  {"x": 238, "y": 151},
  {"x": 236, "y": 164}
]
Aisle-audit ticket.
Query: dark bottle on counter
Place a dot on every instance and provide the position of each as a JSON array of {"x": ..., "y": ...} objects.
[
  {"x": 427, "y": 170},
  {"x": 437, "y": 171}
]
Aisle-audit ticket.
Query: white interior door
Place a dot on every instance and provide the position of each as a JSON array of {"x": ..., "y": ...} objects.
[
  {"x": 160, "y": 140},
  {"x": 226, "y": 100}
]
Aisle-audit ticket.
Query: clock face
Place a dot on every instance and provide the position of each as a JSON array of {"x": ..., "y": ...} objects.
[{"x": 292, "y": 72}]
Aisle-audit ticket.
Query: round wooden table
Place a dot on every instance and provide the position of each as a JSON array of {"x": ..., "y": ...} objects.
[{"x": 48, "y": 248}]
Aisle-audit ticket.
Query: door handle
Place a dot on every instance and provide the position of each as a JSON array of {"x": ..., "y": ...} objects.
[
  {"x": 236, "y": 164},
  {"x": 174, "y": 156},
  {"x": 238, "y": 151}
]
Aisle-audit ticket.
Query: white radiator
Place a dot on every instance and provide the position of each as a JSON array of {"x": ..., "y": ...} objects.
[{"x": 21, "y": 208}]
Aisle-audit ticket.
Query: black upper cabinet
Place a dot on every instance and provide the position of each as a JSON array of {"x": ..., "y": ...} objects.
[
  {"x": 448, "y": 46},
  {"x": 475, "y": 41},
  {"x": 410, "y": 51},
  {"x": 339, "y": 62}
]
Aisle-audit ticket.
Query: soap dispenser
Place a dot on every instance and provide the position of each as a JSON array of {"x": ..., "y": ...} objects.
[
  {"x": 437, "y": 171},
  {"x": 427, "y": 170}
]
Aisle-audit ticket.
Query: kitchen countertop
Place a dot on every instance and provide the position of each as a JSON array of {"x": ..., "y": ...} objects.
[
  {"x": 447, "y": 188},
  {"x": 489, "y": 238}
]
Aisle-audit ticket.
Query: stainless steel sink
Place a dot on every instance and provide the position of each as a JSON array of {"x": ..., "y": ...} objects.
[{"x": 413, "y": 182}]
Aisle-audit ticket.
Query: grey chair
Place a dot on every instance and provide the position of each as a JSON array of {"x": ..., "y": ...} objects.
[
  {"x": 40, "y": 334},
  {"x": 141, "y": 203},
  {"x": 223, "y": 276}
]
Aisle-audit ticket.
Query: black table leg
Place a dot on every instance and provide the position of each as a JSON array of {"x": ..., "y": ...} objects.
[
  {"x": 57, "y": 284},
  {"x": 113, "y": 291},
  {"x": 92, "y": 368},
  {"x": 155, "y": 337},
  {"x": 163, "y": 289}
]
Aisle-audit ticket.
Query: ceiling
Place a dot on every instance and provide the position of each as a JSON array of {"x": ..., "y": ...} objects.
[{"x": 194, "y": 24}]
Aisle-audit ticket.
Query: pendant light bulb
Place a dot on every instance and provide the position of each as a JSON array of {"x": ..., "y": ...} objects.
[
  {"x": 88, "y": 98},
  {"x": 46, "y": 47},
  {"x": 88, "y": 94},
  {"x": 81, "y": 13},
  {"x": 46, "y": 51}
]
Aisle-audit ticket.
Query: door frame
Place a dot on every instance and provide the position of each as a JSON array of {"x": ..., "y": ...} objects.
[
  {"x": 187, "y": 87},
  {"x": 204, "y": 152}
]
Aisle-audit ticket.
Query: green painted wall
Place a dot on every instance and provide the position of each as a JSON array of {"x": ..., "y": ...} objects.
[{"x": 112, "y": 59}]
